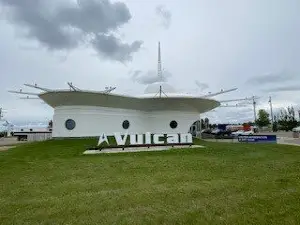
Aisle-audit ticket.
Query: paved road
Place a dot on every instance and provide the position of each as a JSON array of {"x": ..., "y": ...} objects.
[
  {"x": 289, "y": 141},
  {"x": 9, "y": 141},
  {"x": 282, "y": 138},
  {"x": 279, "y": 134},
  {"x": 285, "y": 137}
]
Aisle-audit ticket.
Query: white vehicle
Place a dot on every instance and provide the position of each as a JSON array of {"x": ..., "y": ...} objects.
[
  {"x": 215, "y": 131},
  {"x": 242, "y": 132},
  {"x": 296, "y": 129}
]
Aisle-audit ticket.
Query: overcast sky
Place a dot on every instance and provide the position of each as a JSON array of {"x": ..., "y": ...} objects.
[{"x": 207, "y": 45}]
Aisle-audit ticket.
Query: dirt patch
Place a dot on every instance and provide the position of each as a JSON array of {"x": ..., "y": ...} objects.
[{"x": 5, "y": 148}]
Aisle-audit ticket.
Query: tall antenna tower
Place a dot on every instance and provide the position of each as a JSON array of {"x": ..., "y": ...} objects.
[{"x": 159, "y": 72}]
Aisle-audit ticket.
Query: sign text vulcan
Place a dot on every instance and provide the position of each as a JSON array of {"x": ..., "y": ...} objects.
[{"x": 148, "y": 139}]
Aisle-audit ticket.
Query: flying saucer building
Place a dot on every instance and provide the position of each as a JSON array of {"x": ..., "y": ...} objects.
[
  {"x": 85, "y": 113},
  {"x": 79, "y": 113}
]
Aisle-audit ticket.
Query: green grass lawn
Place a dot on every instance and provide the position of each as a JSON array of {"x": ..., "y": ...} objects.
[{"x": 53, "y": 183}]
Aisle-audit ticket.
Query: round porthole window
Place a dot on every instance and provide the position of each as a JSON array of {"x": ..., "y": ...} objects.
[
  {"x": 173, "y": 124},
  {"x": 125, "y": 124},
  {"x": 70, "y": 124}
]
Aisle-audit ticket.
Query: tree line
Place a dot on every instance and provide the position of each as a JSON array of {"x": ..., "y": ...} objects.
[
  {"x": 205, "y": 124},
  {"x": 285, "y": 119}
]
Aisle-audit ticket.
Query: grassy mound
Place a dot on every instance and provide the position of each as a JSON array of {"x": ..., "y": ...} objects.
[{"x": 51, "y": 182}]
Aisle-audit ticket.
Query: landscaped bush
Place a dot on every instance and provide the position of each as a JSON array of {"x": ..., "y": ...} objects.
[{"x": 3, "y": 134}]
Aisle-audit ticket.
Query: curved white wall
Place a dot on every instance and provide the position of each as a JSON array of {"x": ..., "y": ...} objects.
[{"x": 94, "y": 121}]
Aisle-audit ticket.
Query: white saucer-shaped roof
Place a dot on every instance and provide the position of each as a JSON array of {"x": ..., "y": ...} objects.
[{"x": 163, "y": 103}]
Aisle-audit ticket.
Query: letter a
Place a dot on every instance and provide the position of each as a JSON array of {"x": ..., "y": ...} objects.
[{"x": 102, "y": 138}]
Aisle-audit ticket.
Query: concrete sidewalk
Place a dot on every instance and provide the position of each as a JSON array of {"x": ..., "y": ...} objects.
[{"x": 294, "y": 142}]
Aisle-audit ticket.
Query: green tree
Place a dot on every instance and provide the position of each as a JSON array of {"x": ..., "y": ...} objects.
[
  {"x": 251, "y": 123},
  {"x": 275, "y": 124},
  {"x": 202, "y": 123},
  {"x": 263, "y": 118},
  {"x": 286, "y": 119}
]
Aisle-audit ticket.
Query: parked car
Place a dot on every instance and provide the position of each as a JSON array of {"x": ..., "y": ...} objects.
[
  {"x": 296, "y": 129},
  {"x": 242, "y": 132},
  {"x": 219, "y": 132},
  {"x": 215, "y": 131},
  {"x": 206, "y": 131}
]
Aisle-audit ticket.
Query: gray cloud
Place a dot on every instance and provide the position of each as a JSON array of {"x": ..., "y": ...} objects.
[
  {"x": 111, "y": 47},
  {"x": 284, "y": 89},
  {"x": 165, "y": 15},
  {"x": 149, "y": 77},
  {"x": 66, "y": 26},
  {"x": 271, "y": 78},
  {"x": 95, "y": 16},
  {"x": 201, "y": 86},
  {"x": 40, "y": 23}
]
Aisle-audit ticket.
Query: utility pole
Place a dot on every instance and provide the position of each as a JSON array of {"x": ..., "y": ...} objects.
[
  {"x": 254, "y": 108},
  {"x": 271, "y": 110}
]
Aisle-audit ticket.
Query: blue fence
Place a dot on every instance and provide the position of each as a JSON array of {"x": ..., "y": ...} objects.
[{"x": 258, "y": 139}]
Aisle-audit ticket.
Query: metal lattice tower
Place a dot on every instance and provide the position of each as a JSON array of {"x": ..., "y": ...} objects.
[{"x": 159, "y": 70}]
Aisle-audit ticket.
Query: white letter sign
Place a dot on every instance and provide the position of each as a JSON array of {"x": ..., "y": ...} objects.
[
  {"x": 136, "y": 139},
  {"x": 186, "y": 138},
  {"x": 172, "y": 139},
  {"x": 120, "y": 140},
  {"x": 102, "y": 138},
  {"x": 156, "y": 139},
  {"x": 150, "y": 139}
]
